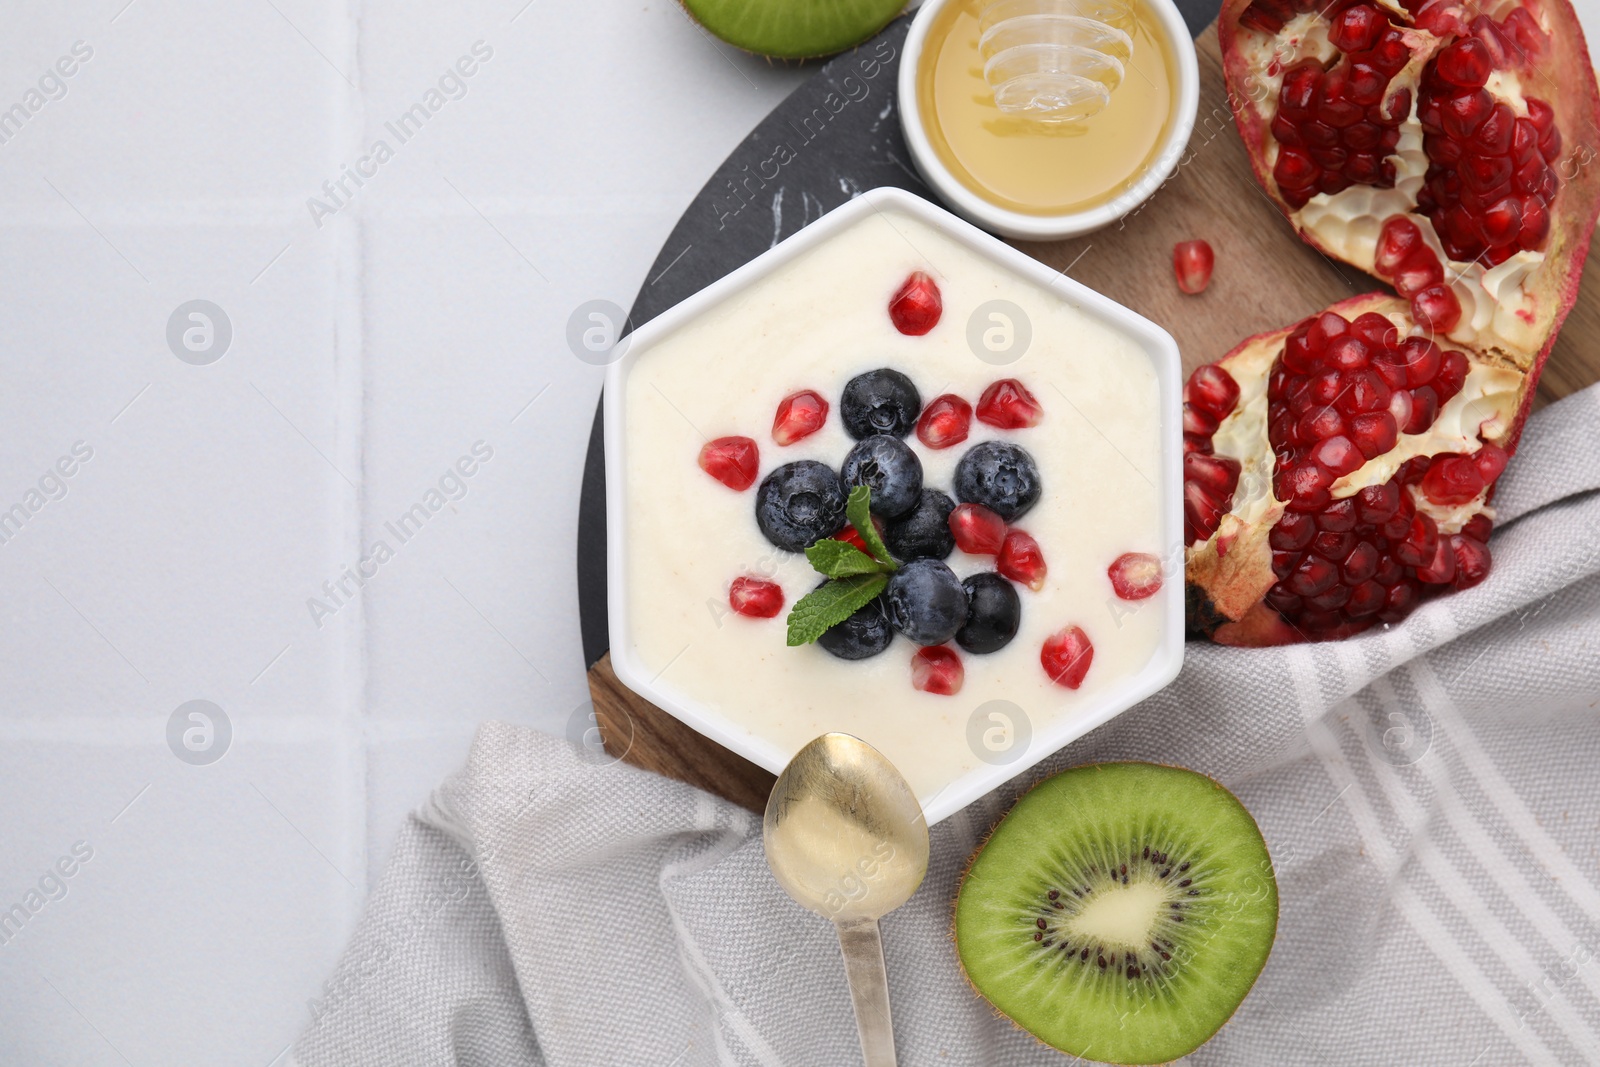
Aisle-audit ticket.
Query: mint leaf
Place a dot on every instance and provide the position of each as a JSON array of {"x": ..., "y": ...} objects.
[
  {"x": 858, "y": 509},
  {"x": 840, "y": 559},
  {"x": 823, "y": 608}
]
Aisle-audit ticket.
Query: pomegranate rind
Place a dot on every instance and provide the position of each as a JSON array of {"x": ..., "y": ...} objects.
[{"x": 1566, "y": 80}]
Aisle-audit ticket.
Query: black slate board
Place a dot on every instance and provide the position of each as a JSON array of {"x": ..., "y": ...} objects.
[{"x": 842, "y": 132}]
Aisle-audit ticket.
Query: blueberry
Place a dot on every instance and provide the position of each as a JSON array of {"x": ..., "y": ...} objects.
[
  {"x": 924, "y": 531},
  {"x": 1000, "y": 476},
  {"x": 994, "y": 611},
  {"x": 799, "y": 503},
  {"x": 880, "y": 401},
  {"x": 926, "y": 602},
  {"x": 889, "y": 467},
  {"x": 862, "y": 635}
]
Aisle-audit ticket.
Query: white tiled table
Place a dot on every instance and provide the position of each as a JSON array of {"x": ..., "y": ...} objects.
[{"x": 368, "y": 354}]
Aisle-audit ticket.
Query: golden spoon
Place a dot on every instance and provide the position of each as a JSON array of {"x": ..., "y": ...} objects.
[{"x": 845, "y": 837}]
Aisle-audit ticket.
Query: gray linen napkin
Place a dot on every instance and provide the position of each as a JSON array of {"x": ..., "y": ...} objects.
[{"x": 1428, "y": 792}]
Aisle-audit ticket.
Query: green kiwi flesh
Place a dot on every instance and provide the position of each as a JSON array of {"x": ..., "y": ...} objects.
[
  {"x": 1120, "y": 911},
  {"x": 793, "y": 29}
]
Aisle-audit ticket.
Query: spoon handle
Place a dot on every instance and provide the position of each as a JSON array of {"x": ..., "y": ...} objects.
[{"x": 862, "y": 947}]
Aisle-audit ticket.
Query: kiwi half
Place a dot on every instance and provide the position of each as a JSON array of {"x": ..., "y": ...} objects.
[
  {"x": 1120, "y": 911},
  {"x": 793, "y": 29}
]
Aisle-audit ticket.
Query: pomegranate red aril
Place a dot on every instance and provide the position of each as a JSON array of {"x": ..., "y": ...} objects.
[
  {"x": 1472, "y": 560},
  {"x": 1399, "y": 601},
  {"x": 755, "y": 597},
  {"x": 1338, "y": 455},
  {"x": 1420, "y": 543},
  {"x": 1192, "y": 262},
  {"x": 799, "y": 415},
  {"x": 1478, "y": 528},
  {"x": 1357, "y": 28},
  {"x": 1135, "y": 575},
  {"x": 1465, "y": 63},
  {"x": 944, "y": 422},
  {"x": 1066, "y": 656},
  {"x": 1377, "y": 504},
  {"x": 1417, "y": 273},
  {"x": 1212, "y": 389},
  {"x": 978, "y": 530},
  {"x": 1437, "y": 308},
  {"x": 1022, "y": 560},
  {"x": 1218, "y": 475},
  {"x": 1452, "y": 375},
  {"x": 1441, "y": 569},
  {"x": 917, "y": 305},
  {"x": 1424, "y": 408},
  {"x": 1365, "y": 599},
  {"x": 1398, "y": 239},
  {"x": 1293, "y": 532},
  {"x": 1314, "y": 575},
  {"x": 1360, "y": 564},
  {"x": 733, "y": 461},
  {"x": 1452, "y": 479},
  {"x": 938, "y": 670},
  {"x": 1007, "y": 405},
  {"x": 1491, "y": 461}
]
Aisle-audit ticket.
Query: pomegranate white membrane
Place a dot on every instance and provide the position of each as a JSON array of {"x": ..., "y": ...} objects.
[{"x": 814, "y": 324}]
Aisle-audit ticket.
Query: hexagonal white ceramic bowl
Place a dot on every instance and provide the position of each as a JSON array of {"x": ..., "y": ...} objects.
[{"x": 1163, "y": 351}]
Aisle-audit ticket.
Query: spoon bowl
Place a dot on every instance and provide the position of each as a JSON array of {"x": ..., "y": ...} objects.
[{"x": 846, "y": 838}]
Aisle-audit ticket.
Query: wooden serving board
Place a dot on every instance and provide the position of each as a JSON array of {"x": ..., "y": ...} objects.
[{"x": 1265, "y": 278}]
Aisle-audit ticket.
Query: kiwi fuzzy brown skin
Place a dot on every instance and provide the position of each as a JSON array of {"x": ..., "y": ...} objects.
[
  {"x": 984, "y": 843},
  {"x": 876, "y": 14}
]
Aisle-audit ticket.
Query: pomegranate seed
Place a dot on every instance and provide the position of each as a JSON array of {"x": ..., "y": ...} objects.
[
  {"x": 1212, "y": 389},
  {"x": 1360, "y": 564},
  {"x": 1007, "y": 404},
  {"x": 1022, "y": 560},
  {"x": 1199, "y": 422},
  {"x": 1398, "y": 239},
  {"x": 1420, "y": 271},
  {"x": 1465, "y": 62},
  {"x": 1377, "y": 504},
  {"x": 1356, "y": 29},
  {"x": 1192, "y": 262},
  {"x": 977, "y": 530},
  {"x": 1293, "y": 532},
  {"x": 850, "y": 537},
  {"x": 944, "y": 422},
  {"x": 1452, "y": 375},
  {"x": 1490, "y": 460},
  {"x": 755, "y": 597},
  {"x": 733, "y": 461},
  {"x": 1420, "y": 543},
  {"x": 1399, "y": 601},
  {"x": 1472, "y": 560},
  {"x": 1478, "y": 528},
  {"x": 1424, "y": 408},
  {"x": 1441, "y": 569},
  {"x": 1452, "y": 479},
  {"x": 1066, "y": 656},
  {"x": 1135, "y": 575},
  {"x": 1436, "y": 308},
  {"x": 1218, "y": 475},
  {"x": 1365, "y": 599},
  {"x": 799, "y": 415},
  {"x": 938, "y": 670},
  {"x": 1339, "y": 455},
  {"x": 1314, "y": 575},
  {"x": 916, "y": 306}
]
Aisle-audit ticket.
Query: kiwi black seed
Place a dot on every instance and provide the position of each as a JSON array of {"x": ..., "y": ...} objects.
[
  {"x": 793, "y": 29},
  {"x": 1120, "y": 912}
]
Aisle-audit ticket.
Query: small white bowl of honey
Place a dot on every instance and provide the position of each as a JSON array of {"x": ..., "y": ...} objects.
[{"x": 1045, "y": 178}]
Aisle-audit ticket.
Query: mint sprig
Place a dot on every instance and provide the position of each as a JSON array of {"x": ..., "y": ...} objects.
[
  {"x": 855, "y": 578},
  {"x": 841, "y": 559},
  {"x": 822, "y": 609}
]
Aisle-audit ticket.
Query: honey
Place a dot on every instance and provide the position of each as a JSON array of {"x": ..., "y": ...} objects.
[{"x": 1038, "y": 168}]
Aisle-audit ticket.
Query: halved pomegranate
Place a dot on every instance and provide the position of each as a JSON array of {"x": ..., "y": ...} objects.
[
  {"x": 1444, "y": 146},
  {"x": 1338, "y": 473}
]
